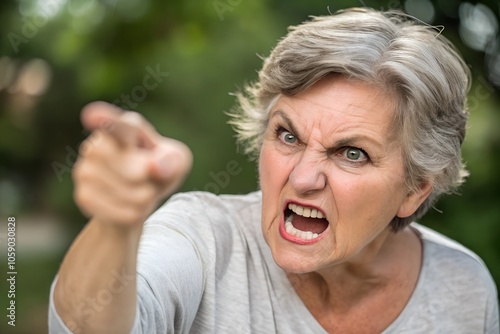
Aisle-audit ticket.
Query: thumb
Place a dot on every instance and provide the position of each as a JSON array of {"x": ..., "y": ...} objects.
[{"x": 159, "y": 168}]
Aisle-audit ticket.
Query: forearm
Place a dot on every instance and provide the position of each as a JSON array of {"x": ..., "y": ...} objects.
[
  {"x": 125, "y": 169},
  {"x": 96, "y": 287}
]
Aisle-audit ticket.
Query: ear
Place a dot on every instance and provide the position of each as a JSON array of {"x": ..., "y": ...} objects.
[{"x": 414, "y": 199}]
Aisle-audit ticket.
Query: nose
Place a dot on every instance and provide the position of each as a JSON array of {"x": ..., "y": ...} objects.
[{"x": 308, "y": 175}]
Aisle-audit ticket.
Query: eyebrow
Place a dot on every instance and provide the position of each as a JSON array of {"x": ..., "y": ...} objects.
[
  {"x": 354, "y": 141},
  {"x": 348, "y": 141},
  {"x": 287, "y": 120}
]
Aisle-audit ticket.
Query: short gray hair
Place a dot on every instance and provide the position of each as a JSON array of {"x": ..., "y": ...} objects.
[{"x": 413, "y": 62}]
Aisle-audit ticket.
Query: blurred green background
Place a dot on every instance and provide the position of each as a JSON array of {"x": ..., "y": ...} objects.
[{"x": 58, "y": 55}]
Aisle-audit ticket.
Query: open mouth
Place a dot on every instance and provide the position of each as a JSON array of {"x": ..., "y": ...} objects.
[{"x": 304, "y": 222}]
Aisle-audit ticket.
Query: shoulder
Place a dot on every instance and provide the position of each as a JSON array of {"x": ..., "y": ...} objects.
[
  {"x": 210, "y": 200},
  {"x": 455, "y": 276},
  {"x": 205, "y": 206},
  {"x": 203, "y": 225},
  {"x": 206, "y": 219},
  {"x": 452, "y": 257},
  {"x": 455, "y": 292}
]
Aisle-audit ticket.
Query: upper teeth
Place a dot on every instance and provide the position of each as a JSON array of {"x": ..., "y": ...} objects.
[{"x": 305, "y": 212}]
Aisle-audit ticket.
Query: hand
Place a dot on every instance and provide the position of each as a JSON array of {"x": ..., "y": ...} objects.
[{"x": 125, "y": 167}]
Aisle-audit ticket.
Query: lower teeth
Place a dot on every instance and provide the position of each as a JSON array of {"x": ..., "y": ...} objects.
[{"x": 306, "y": 235}]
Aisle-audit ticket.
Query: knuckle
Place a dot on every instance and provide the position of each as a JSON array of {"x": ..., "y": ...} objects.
[
  {"x": 82, "y": 197},
  {"x": 77, "y": 172},
  {"x": 132, "y": 118},
  {"x": 102, "y": 149},
  {"x": 81, "y": 172},
  {"x": 88, "y": 145}
]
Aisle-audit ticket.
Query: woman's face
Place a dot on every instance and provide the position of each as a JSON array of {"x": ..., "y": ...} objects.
[{"x": 331, "y": 175}]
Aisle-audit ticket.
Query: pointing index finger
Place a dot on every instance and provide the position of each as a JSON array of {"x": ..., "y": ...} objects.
[
  {"x": 99, "y": 116},
  {"x": 127, "y": 128}
]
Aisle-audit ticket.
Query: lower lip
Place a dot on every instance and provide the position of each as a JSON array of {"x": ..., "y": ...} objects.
[{"x": 288, "y": 237}]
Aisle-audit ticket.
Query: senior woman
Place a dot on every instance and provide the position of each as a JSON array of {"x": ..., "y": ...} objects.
[{"x": 357, "y": 122}]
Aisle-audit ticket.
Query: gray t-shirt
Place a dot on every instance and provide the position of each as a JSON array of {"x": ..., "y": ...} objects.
[{"x": 204, "y": 267}]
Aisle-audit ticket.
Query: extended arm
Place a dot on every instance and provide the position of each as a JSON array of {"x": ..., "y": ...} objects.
[{"x": 125, "y": 168}]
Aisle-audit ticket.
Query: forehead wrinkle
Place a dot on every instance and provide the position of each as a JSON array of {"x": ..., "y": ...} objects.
[
  {"x": 358, "y": 125},
  {"x": 358, "y": 130},
  {"x": 372, "y": 105},
  {"x": 359, "y": 113}
]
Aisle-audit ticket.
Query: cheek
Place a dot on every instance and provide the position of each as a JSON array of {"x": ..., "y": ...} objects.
[
  {"x": 372, "y": 200},
  {"x": 273, "y": 169},
  {"x": 273, "y": 175},
  {"x": 263, "y": 167}
]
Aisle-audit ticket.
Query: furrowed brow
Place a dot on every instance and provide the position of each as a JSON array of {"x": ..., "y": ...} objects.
[
  {"x": 357, "y": 141},
  {"x": 288, "y": 122}
]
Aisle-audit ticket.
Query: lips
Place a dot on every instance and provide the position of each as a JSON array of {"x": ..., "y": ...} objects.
[{"x": 303, "y": 224}]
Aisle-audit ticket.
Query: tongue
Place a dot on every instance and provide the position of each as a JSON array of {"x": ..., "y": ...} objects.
[{"x": 314, "y": 225}]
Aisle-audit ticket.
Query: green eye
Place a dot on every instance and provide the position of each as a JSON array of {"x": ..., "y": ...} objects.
[
  {"x": 288, "y": 138},
  {"x": 355, "y": 154}
]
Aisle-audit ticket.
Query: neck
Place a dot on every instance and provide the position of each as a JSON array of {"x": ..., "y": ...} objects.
[{"x": 343, "y": 286}]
